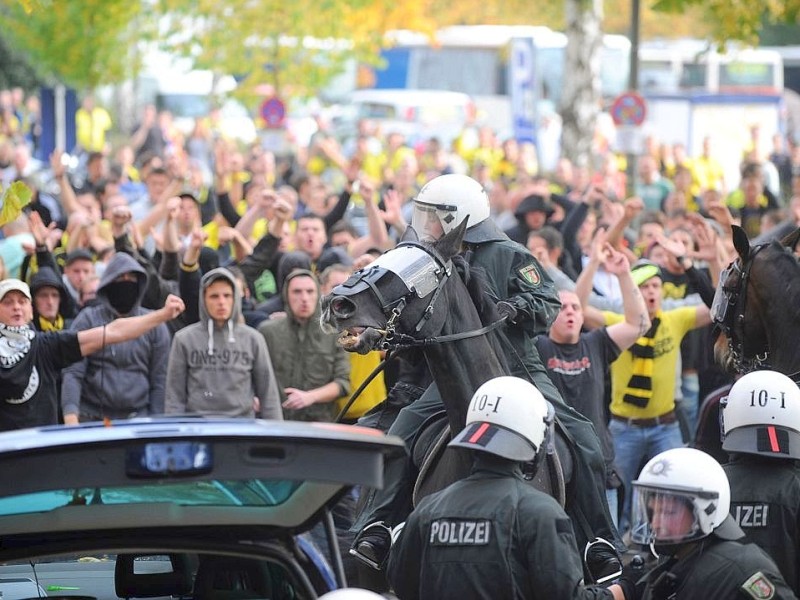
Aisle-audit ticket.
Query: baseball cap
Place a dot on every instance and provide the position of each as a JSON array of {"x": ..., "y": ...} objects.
[
  {"x": 79, "y": 254},
  {"x": 9, "y": 285},
  {"x": 643, "y": 269}
]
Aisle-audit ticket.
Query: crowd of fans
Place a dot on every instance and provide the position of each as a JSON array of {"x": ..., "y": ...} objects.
[{"x": 250, "y": 241}]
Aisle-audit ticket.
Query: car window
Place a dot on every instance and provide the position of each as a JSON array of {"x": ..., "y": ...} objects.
[
  {"x": 377, "y": 110},
  {"x": 253, "y": 492}
]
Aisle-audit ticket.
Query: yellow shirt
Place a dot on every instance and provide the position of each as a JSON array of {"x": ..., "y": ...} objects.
[
  {"x": 707, "y": 173},
  {"x": 90, "y": 128},
  {"x": 674, "y": 325},
  {"x": 361, "y": 365}
]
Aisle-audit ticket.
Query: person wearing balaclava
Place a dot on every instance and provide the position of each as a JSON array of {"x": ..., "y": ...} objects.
[{"x": 129, "y": 379}]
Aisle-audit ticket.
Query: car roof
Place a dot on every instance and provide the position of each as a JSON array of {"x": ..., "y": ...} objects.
[
  {"x": 409, "y": 97},
  {"x": 182, "y": 472}
]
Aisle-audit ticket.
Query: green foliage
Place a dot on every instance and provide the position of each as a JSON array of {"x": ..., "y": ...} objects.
[
  {"x": 81, "y": 43},
  {"x": 293, "y": 48},
  {"x": 741, "y": 20},
  {"x": 15, "y": 70}
]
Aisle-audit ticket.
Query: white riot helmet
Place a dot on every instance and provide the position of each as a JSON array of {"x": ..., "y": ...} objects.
[
  {"x": 681, "y": 495},
  {"x": 761, "y": 415},
  {"x": 508, "y": 417},
  {"x": 445, "y": 201}
]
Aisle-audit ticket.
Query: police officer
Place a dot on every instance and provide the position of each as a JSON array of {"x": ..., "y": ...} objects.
[
  {"x": 761, "y": 431},
  {"x": 680, "y": 509},
  {"x": 492, "y": 535},
  {"x": 525, "y": 293}
]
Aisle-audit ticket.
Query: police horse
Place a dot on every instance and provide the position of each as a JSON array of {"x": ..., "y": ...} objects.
[
  {"x": 425, "y": 296},
  {"x": 756, "y": 311}
]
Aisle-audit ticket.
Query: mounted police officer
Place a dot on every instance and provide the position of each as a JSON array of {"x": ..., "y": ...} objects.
[
  {"x": 492, "y": 535},
  {"x": 680, "y": 509},
  {"x": 761, "y": 432},
  {"x": 526, "y": 295}
]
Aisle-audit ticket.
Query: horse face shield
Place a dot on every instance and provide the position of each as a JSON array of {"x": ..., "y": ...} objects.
[
  {"x": 418, "y": 270},
  {"x": 726, "y": 297}
]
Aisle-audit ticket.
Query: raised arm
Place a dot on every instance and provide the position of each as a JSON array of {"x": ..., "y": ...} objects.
[
  {"x": 583, "y": 286},
  {"x": 122, "y": 330},
  {"x": 637, "y": 321}
]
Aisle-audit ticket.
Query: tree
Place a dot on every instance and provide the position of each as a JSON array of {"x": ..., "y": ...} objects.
[
  {"x": 15, "y": 70},
  {"x": 741, "y": 20},
  {"x": 81, "y": 44},
  {"x": 581, "y": 97}
]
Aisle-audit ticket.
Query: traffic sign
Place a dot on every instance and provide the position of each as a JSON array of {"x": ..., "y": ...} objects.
[
  {"x": 273, "y": 111},
  {"x": 628, "y": 109}
]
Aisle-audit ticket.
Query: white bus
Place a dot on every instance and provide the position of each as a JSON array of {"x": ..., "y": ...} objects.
[
  {"x": 474, "y": 59},
  {"x": 694, "y": 66}
]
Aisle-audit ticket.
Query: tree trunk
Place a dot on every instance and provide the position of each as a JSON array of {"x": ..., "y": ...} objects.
[{"x": 581, "y": 96}]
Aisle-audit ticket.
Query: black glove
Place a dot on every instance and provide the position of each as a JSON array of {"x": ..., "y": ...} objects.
[
  {"x": 628, "y": 585},
  {"x": 506, "y": 309},
  {"x": 602, "y": 561},
  {"x": 631, "y": 574}
]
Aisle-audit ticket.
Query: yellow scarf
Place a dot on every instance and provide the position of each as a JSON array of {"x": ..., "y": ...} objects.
[
  {"x": 45, "y": 325},
  {"x": 640, "y": 385}
]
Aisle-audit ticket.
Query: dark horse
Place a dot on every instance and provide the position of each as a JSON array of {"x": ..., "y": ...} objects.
[
  {"x": 756, "y": 312},
  {"x": 425, "y": 296},
  {"x": 757, "y": 307}
]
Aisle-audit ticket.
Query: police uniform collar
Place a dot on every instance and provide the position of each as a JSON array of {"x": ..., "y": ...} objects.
[
  {"x": 729, "y": 530},
  {"x": 485, "y": 231}
]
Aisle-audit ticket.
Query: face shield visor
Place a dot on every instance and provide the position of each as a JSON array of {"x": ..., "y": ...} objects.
[
  {"x": 665, "y": 516},
  {"x": 432, "y": 221}
]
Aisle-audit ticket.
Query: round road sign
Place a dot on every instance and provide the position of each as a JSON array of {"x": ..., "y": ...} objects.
[
  {"x": 273, "y": 111},
  {"x": 628, "y": 109}
]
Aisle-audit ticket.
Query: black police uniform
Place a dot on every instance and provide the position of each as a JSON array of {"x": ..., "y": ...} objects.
[
  {"x": 719, "y": 567},
  {"x": 514, "y": 276},
  {"x": 490, "y": 536},
  {"x": 765, "y": 501}
]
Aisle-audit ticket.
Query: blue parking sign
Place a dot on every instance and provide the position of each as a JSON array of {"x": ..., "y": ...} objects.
[{"x": 522, "y": 78}]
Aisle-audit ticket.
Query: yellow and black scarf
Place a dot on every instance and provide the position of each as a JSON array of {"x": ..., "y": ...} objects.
[
  {"x": 45, "y": 325},
  {"x": 640, "y": 385}
]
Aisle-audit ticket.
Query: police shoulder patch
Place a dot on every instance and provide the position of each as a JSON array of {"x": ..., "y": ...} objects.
[
  {"x": 531, "y": 274},
  {"x": 759, "y": 587}
]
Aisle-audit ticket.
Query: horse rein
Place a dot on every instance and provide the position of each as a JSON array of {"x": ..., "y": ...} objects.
[{"x": 730, "y": 324}]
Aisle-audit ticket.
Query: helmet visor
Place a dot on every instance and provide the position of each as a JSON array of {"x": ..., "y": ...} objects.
[
  {"x": 431, "y": 221},
  {"x": 663, "y": 516}
]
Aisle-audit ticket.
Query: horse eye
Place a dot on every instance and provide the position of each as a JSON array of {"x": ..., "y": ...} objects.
[{"x": 341, "y": 306}]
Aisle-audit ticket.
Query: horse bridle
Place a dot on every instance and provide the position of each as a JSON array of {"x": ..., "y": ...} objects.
[
  {"x": 728, "y": 313},
  {"x": 391, "y": 339}
]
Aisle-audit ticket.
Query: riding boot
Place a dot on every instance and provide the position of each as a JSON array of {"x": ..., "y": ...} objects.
[{"x": 372, "y": 545}]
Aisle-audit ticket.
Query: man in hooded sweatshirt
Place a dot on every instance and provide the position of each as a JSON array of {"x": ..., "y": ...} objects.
[
  {"x": 218, "y": 365},
  {"x": 312, "y": 370},
  {"x": 127, "y": 380},
  {"x": 53, "y": 306}
]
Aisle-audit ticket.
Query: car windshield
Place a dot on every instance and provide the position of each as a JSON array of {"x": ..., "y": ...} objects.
[{"x": 253, "y": 493}]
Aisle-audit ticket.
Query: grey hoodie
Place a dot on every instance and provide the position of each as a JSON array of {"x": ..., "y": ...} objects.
[
  {"x": 124, "y": 379},
  {"x": 218, "y": 370}
]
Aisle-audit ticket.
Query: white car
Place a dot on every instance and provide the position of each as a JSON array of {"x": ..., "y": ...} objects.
[
  {"x": 201, "y": 508},
  {"x": 417, "y": 114}
]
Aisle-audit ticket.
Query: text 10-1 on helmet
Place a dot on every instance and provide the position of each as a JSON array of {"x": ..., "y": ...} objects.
[
  {"x": 761, "y": 415},
  {"x": 507, "y": 417},
  {"x": 681, "y": 495},
  {"x": 445, "y": 201}
]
